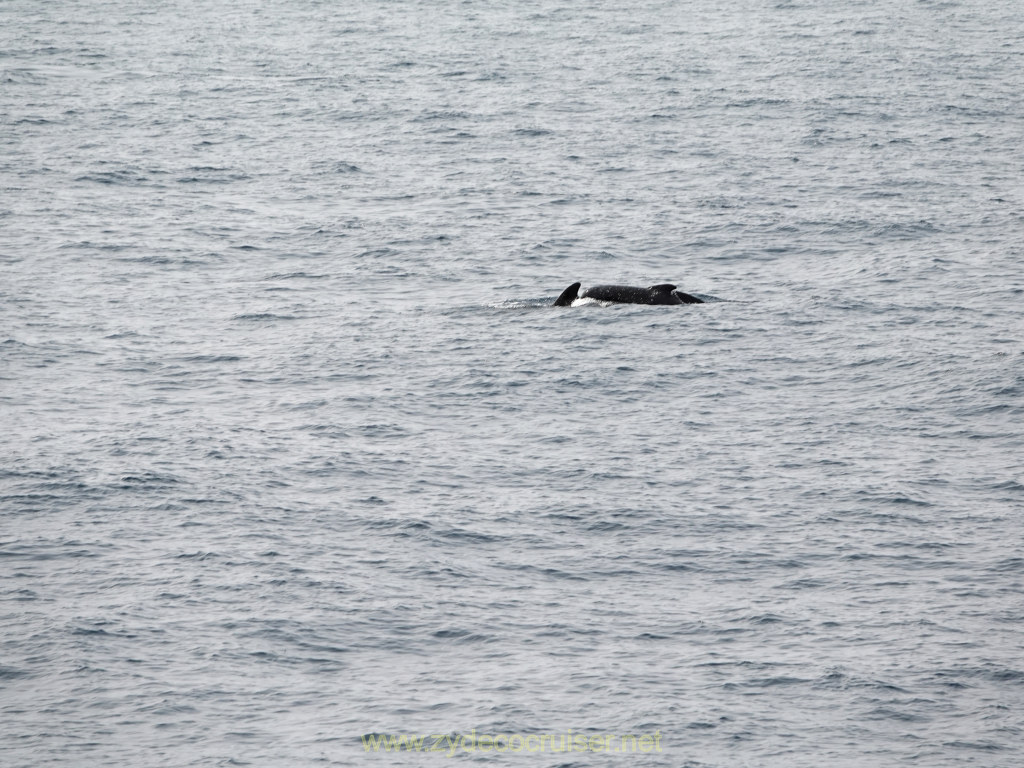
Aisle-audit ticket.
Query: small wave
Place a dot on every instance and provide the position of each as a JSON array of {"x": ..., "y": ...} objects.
[
  {"x": 907, "y": 231},
  {"x": 263, "y": 317},
  {"x": 441, "y": 115},
  {"x": 531, "y": 132},
  {"x": 11, "y": 673},
  {"x": 984, "y": 746},
  {"x": 887, "y": 713},
  {"x": 210, "y": 359},
  {"x": 462, "y": 636},
  {"x": 295, "y": 276},
  {"x": 1010, "y": 565},
  {"x": 124, "y": 177},
  {"x": 199, "y": 555},
  {"x": 461, "y": 534},
  {"x": 148, "y": 480},
  {"x": 221, "y": 179}
]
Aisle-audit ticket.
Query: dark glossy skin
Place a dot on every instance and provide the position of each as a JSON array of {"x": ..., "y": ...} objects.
[{"x": 627, "y": 294}]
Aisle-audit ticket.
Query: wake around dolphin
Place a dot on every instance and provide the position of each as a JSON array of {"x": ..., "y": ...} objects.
[{"x": 627, "y": 294}]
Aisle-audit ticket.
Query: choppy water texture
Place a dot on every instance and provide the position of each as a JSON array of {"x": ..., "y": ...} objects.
[{"x": 295, "y": 451}]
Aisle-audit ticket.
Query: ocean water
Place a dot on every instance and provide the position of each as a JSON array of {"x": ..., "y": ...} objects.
[{"x": 295, "y": 454}]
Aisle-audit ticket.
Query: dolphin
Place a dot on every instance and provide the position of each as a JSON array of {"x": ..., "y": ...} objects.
[{"x": 665, "y": 293}]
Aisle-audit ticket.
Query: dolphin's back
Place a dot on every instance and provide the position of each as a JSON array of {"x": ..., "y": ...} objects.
[
  {"x": 665, "y": 293},
  {"x": 628, "y": 294}
]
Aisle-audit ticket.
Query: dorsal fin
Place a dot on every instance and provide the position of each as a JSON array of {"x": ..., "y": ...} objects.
[
  {"x": 568, "y": 296},
  {"x": 663, "y": 288}
]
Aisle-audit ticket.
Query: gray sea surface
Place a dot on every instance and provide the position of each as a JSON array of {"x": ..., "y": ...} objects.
[{"x": 296, "y": 455}]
